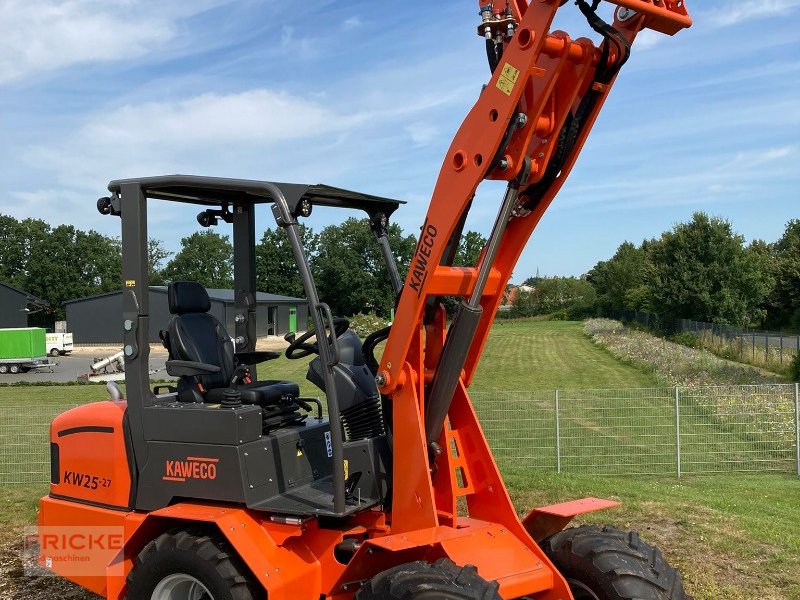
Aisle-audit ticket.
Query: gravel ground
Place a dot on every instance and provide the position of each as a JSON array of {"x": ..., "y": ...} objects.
[
  {"x": 71, "y": 367},
  {"x": 15, "y": 585}
]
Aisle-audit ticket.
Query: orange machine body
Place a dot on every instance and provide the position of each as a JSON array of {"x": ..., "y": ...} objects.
[
  {"x": 90, "y": 457},
  {"x": 459, "y": 508}
]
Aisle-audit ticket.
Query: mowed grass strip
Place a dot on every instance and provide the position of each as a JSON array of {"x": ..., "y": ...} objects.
[
  {"x": 733, "y": 536},
  {"x": 549, "y": 355}
]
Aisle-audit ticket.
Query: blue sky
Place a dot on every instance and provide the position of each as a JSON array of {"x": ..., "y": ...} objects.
[{"x": 367, "y": 95}]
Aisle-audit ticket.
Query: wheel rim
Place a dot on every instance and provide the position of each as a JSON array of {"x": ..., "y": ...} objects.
[
  {"x": 581, "y": 591},
  {"x": 14, "y": 369},
  {"x": 3, "y": 369},
  {"x": 180, "y": 587}
]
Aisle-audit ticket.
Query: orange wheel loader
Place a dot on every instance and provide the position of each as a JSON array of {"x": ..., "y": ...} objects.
[{"x": 228, "y": 486}]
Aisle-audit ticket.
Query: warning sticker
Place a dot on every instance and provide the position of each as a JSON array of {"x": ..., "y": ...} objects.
[
  {"x": 130, "y": 283},
  {"x": 328, "y": 443},
  {"x": 508, "y": 78}
]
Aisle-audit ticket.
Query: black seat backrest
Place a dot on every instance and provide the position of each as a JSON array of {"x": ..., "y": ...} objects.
[{"x": 194, "y": 334}]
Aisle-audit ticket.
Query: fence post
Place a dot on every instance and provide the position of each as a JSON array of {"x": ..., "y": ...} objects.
[
  {"x": 558, "y": 435},
  {"x": 781, "y": 347},
  {"x": 678, "y": 431},
  {"x": 797, "y": 424}
]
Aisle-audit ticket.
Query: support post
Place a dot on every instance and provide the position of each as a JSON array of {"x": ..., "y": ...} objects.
[
  {"x": 558, "y": 434},
  {"x": 678, "y": 431},
  {"x": 797, "y": 424}
]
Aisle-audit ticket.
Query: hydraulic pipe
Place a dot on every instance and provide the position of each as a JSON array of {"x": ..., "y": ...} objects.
[{"x": 465, "y": 323}]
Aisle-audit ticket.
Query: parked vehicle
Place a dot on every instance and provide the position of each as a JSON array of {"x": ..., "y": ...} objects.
[
  {"x": 23, "y": 349},
  {"x": 59, "y": 344}
]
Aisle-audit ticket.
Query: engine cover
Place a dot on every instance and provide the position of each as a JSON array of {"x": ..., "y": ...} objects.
[{"x": 90, "y": 457}]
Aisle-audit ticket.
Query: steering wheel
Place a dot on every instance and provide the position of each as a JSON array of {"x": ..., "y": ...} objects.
[{"x": 299, "y": 347}]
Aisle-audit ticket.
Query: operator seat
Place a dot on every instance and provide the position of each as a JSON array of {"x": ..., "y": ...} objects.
[{"x": 195, "y": 335}]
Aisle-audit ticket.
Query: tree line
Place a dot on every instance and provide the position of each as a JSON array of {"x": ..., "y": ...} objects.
[
  {"x": 62, "y": 263},
  {"x": 700, "y": 270}
]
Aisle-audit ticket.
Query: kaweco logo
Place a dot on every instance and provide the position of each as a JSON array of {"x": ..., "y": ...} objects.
[
  {"x": 191, "y": 468},
  {"x": 419, "y": 266}
]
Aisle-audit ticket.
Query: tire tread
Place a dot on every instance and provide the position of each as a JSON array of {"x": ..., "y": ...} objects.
[
  {"x": 213, "y": 549},
  {"x": 619, "y": 562},
  {"x": 406, "y": 581}
]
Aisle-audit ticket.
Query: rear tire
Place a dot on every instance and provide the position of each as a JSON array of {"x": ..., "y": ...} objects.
[
  {"x": 442, "y": 579},
  {"x": 609, "y": 564},
  {"x": 3, "y": 368},
  {"x": 190, "y": 564},
  {"x": 54, "y": 352},
  {"x": 13, "y": 369}
]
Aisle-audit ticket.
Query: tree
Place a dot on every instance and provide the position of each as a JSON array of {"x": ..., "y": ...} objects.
[
  {"x": 350, "y": 271},
  {"x": 702, "y": 271},
  {"x": 156, "y": 255},
  {"x": 621, "y": 282},
  {"x": 12, "y": 249},
  {"x": 65, "y": 263},
  {"x": 469, "y": 249},
  {"x": 205, "y": 257},
  {"x": 784, "y": 300},
  {"x": 568, "y": 297},
  {"x": 276, "y": 269}
]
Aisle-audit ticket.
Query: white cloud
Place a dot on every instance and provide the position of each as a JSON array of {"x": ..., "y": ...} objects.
[
  {"x": 352, "y": 23},
  {"x": 228, "y": 134},
  {"x": 422, "y": 133},
  {"x": 648, "y": 39},
  {"x": 38, "y": 36},
  {"x": 743, "y": 10}
]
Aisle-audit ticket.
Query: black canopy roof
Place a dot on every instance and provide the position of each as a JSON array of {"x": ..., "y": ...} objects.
[{"x": 213, "y": 191}]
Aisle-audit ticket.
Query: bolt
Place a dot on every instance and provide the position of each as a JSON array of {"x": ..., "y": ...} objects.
[
  {"x": 380, "y": 379},
  {"x": 503, "y": 164},
  {"x": 624, "y": 13},
  {"x": 522, "y": 120}
]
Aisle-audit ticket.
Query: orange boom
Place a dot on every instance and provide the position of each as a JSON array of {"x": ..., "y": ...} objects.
[{"x": 227, "y": 486}]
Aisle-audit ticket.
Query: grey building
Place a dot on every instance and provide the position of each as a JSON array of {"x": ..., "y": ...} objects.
[
  {"x": 98, "y": 319},
  {"x": 15, "y": 305}
]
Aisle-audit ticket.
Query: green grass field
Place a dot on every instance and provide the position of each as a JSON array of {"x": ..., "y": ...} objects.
[
  {"x": 548, "y": 355},
  {"x": 735, "y": 536}
]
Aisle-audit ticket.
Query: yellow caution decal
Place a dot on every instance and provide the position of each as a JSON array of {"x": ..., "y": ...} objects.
[{"x": 508, "y": 79}]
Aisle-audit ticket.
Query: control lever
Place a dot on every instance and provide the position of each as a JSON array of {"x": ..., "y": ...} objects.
[{"x": 350, "y": 486}]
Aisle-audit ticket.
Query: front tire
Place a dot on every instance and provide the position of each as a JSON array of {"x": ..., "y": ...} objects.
[
  {"x": 3, "y": 368},
  {"x": 190, "y": 565},
  {"x": 54, "y": 352},
  {"x": 13, "y": 369},
  {"x": 442, "y": 579},
  {"x": 609, "y": 564}
]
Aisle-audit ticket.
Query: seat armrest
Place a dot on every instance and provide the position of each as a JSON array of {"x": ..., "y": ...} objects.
[
  {"x": 190, "y": 368},
  {"x": 256, "y": 357}
]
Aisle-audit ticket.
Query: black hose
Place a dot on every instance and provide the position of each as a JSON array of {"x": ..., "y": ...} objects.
[
  {"x": 370, "y": 343},
  {"x": 574, "y": 124}
]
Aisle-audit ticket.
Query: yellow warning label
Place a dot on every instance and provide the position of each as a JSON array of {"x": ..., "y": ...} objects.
[
  {"x": 299, "y": 453},
  {"x": 508, "y": 78},
  {"x": 130, "y": 283},
  {"x": 346, "y": 470}
]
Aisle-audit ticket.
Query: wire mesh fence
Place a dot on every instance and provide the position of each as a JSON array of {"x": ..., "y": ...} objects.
[
  {"x": 25, "y": 442},
  {"x": 769, "y": 349},
  {"x": 654, "y": 431}
]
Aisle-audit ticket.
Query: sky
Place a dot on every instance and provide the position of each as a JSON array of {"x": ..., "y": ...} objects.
[{"x": 368, "y": 95}]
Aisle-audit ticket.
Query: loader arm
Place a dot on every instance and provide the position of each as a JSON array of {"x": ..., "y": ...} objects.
[{"x": 527, "y": 127}]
